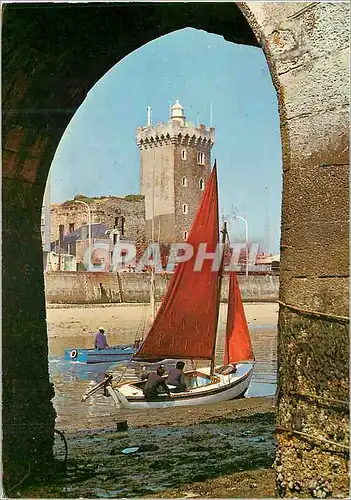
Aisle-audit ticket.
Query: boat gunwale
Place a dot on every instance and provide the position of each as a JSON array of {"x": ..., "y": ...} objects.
[{"x": 191, "y": 394}]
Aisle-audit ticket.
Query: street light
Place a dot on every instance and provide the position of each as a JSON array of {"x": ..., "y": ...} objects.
[
  {"x": 247, "y": 243},
  {"x": 89, "y": 228}
]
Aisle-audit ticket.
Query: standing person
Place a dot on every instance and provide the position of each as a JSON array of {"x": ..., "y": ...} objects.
[
  {"x": 176, "y": 377},
  {"x": 155, "y": 384},
  {"x": 100, "y": 339}
]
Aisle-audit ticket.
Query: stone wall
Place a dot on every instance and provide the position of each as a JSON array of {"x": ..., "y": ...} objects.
[
  {"x": 88, "y": 287},
  {"x": 71, "y": 47},
  {"x": 192, "y": 171},
  {"x": 157, "y": 181},
  {"x": 104, "y": 210},
  {"x": 81, "y": 287},
  {"x": 308, "y": 49}
]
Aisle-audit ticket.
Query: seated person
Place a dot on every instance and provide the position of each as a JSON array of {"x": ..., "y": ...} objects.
[
  {"x": 144, "y": 374},
  {"x": 176, "y": 377},
  {"x": 227, "y": 369},
  {"x": 155, "y": 384}
]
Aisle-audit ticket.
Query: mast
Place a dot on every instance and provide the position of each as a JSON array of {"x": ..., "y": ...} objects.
[
  {"x": 152, "y": 280},
  {"x": 220, "y": 276}
]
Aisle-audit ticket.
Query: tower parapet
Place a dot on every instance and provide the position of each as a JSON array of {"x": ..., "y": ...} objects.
[{"x": 174, "y": 133}]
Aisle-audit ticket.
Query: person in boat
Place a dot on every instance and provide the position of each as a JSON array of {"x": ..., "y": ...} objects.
[
  {"x": 100, "y": 339},
  {"x": 137, "y": 343},
  {"x": 155, "y": 384},
  {"x": 144, "y": 374},
  {"x": 176, "y": 377}
]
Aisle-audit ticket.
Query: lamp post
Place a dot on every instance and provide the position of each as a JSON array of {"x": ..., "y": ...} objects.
[
  {"x": 89, "y": 228},
  {"x": 246, "y": 243}
]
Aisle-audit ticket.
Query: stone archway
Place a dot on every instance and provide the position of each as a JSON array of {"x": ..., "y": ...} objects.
[{"x": 52, "y": 55}]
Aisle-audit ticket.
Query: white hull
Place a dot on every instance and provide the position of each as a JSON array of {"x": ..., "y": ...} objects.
[{"x": 225, "y": 387}]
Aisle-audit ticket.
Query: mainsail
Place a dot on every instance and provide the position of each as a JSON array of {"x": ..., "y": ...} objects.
[
  {"x": 237, "y": 343},
  {"x": 185, "y": 324}
]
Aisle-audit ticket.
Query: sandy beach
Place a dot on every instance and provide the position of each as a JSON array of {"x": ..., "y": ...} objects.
[{"x": 123, "y": 320}]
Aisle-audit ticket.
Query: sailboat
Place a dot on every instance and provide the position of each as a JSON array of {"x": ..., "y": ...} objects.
[{"x": 185, "y": 326}]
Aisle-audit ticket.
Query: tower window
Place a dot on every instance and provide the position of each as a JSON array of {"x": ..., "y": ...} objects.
[
  {"x": 184, "y": 182},
  {"x": 123, "y": 225},
  {"x": 185, "y": 209},
  {"x": 183, "y": 154},
  {"x": 71, "y": 227},
  {"x": 185, "y": 235},
  {"x": 201, "y": 184},
  {"x": 120, "y": 224},
  {"x": 201, "y": 158}
]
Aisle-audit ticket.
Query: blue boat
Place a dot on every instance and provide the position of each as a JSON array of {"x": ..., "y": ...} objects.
[{"x": 109, "y": 355}]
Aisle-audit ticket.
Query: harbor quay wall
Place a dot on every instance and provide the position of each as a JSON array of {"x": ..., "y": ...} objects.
[{"x": 66, "y": 287}]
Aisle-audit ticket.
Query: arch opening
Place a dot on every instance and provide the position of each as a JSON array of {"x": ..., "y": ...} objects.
[{"x": 38, "y": 108}]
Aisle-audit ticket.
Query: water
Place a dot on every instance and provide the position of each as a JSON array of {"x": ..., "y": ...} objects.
[{"x": 72, "y": 379}]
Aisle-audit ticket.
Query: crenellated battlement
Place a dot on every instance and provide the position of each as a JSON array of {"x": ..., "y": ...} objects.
[{"x": 175, "y": 133}]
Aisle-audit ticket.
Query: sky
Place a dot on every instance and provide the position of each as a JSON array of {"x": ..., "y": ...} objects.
[{"x": 98, "y": 154}]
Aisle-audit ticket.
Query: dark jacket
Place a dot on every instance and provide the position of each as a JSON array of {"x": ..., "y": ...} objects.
[
  {"x": 176, "y": 377},
  {"x": 154, "y": 385}
]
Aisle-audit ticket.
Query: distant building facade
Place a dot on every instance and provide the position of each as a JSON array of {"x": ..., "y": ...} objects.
[
  {"x": 61, "y": 262},
  {"x": 175, "y": 167},
  {"x": 127, "y": 215}
]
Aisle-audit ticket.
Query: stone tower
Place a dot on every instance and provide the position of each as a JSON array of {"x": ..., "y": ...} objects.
[{"x": 175, "y": 167}]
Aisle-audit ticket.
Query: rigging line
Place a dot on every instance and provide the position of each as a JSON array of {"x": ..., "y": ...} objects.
[
  {"x": 322, "y": 398},
  {"x": 121, "y": 377},
  {"x": 309, "y": 312},
  {"x": 323, "y": 440}
]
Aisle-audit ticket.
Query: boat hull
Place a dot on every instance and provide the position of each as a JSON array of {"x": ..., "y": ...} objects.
[
  {"x": 109, "y": 355},
  {"x": 228, "y": 387}
]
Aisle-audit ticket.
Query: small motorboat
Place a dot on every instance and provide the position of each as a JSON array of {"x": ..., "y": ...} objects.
[{"x": 109, "y": 355}]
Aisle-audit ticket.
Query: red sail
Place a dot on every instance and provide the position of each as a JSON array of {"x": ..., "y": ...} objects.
[
  {"x": 238, "y": 344},
  {"x": 185, "y": 324}
]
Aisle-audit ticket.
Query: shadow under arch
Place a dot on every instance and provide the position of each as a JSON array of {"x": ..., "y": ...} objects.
[{"x": 52, "y": 56}]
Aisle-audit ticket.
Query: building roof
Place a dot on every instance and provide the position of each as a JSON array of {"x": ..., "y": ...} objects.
[{"x": 98, "y": 230}]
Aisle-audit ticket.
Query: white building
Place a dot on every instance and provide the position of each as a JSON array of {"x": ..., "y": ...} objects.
[{"x": 60, "y": 262}]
